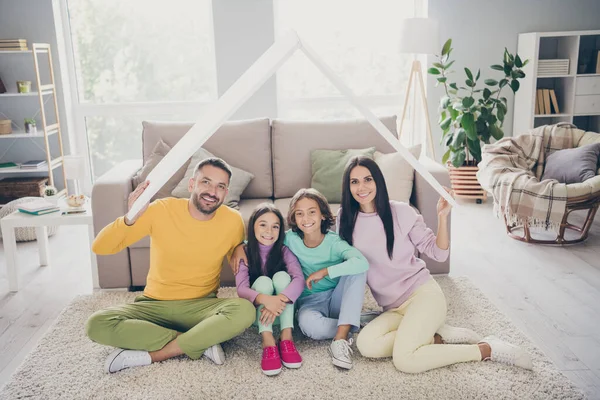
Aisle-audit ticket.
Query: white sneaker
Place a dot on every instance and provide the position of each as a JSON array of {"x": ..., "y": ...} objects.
[
  {"x": 507, "y": 353},
  {"x": 215, "y": 354},
  {"x": 340, "y": 352},
  {"x": 121, "y": 359},
  {"x": 455, "y": 335}
]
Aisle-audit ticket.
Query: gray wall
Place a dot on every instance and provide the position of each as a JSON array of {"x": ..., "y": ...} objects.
[
  {"x": 243, "y": 31},
  {"x": 32, "y": 20},
  {"x": 480, "y": 30}
]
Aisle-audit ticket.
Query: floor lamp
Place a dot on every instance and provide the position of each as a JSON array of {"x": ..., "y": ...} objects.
[{"x": 419, "y": 36}]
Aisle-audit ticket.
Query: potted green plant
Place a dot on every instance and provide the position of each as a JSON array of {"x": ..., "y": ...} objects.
[
  {"x": 471, "y": 115},
  {"x": 24, "y": 86},
  {"x": 51, "y": 194},
  {"x": 30, "y": 125}
]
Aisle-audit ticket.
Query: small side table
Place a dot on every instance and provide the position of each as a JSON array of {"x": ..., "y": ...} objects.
[{"x": 41, "y": 222}]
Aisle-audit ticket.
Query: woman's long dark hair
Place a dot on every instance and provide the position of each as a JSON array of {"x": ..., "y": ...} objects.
[
  {"x": 275, "y": 262},
  {"x": 351, "y": 207}
]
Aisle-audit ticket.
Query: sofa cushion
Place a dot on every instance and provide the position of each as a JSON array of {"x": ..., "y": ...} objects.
[
  {"x": 158, "y": 153},
  {"x": 246, "y": 144},
  {"x": 293, "y": 142},
  {"x": 327, "y": 168},
  {"x": 398, "y": 173},
  {"x": 573, "y": 165},
  {"x": 238, "y": 183}
]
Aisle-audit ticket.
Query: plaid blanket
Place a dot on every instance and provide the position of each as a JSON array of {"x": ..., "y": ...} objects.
[{"x": 511, "y": 169}]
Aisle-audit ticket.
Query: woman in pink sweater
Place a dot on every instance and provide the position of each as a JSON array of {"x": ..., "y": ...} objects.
[{"x": 411, "y": 329}]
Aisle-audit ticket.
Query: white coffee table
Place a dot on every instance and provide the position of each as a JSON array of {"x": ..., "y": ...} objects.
[{"x": 41, "y": 222}]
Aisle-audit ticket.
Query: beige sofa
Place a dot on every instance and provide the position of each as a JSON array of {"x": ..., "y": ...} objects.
[{"x": 277, "y": 152}]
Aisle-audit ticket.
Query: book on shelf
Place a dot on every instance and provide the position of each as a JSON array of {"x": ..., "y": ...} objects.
[
  {"x": 540, "y": 101},
  {"x": 546, "y": 102},
  {"x": 32, "y": 164},
  {"x": 13, "y": 41},
  {"x": 8, "y": 165},
  {"x": 547, "y": 107},
  {"x": 554, "y": 101}
]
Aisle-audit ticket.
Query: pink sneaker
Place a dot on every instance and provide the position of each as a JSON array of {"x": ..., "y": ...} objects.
[
  {"x": 289, "y": 355},
  {"x": 270, "y": 363}
]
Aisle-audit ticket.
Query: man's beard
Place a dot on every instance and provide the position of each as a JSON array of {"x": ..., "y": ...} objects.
[{"x": 207, "y": 210}]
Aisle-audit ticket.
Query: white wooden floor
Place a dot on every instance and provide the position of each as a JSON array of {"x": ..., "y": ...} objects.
[{"x": 551, "y": 293}]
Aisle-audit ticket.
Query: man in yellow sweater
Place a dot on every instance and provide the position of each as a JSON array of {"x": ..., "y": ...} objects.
[{"x": 178, "y": 312}]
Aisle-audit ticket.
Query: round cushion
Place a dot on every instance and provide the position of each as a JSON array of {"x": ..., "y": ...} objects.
[{"x": 25, "y": 234}]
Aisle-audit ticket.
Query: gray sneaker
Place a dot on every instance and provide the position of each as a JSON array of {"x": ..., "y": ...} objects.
[
  {"x": 121, "y": 359},
  {"x": 215, "y": 354},
  {"x": 340, "y": 352}
]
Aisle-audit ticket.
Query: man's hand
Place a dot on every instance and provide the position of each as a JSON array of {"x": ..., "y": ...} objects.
[
  {"x": 132, "y": 198},
  {"x": 316, "y": 277},
  {"x": 239, "y": 253}
]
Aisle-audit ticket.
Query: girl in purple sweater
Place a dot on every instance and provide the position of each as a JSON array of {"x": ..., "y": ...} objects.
[
  {"x": 272, "y": 280},
  {"x": 411, "y": 329}
]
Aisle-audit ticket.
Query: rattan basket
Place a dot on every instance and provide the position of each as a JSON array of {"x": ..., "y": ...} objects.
[{"x": 5, "y": 126}]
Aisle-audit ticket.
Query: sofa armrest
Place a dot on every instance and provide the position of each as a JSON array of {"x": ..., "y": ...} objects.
[
  {"x": 425, "y": 198},
  {"x": 109, "y": 201}
]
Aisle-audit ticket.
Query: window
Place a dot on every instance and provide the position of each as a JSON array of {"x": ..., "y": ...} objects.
[
  {"x": 361, "y": 47},
  {"x": 132, "y": 56}
]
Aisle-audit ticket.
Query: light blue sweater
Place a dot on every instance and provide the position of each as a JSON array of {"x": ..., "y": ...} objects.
[{"x": 333, "y": 253}]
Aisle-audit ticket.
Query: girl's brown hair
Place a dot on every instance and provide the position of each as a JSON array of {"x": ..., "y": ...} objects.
[{"x": 315, "y": 195}]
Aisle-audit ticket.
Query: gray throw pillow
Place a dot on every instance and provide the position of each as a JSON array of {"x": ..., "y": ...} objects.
[
  {"x": 158, "y": 153},
  {"x": 573, "y": 165},
  {"x": 328, "y": 168},
  {"x": 239, "y": 180}
]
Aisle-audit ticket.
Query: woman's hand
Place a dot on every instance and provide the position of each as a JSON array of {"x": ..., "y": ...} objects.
[
  {"x": 239, "y": 253},
  {"x": 316, "y": 277},
  {"x": 443, "y": 206},
  {"x": 267, "y": 317},
  {"x": 274, "y": 304}
]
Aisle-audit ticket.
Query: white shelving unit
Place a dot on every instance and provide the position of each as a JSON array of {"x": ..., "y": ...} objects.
[
  {"x": 577, "y": 93},
  {"x": 45, "y": 130}
]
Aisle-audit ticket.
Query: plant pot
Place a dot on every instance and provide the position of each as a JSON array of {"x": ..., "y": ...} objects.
[
  {"x": 52, "y": 199},
  {"x": 30, "y": 128},
  {"x": 24, "y": 86},
  {"x": 465, "y": 184}
]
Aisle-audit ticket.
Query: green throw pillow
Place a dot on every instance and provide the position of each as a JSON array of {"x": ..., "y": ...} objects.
[{"x": 328, "y": 168}]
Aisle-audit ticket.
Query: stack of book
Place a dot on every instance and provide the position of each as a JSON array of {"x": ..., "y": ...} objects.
[
  {"x": 13, "y": 45},
  {"x": 38, "y": 207},
  {"x": 553, "y": 67},
  {"x": 545, "y": 102},
  {"x": 33, "y": 164}
]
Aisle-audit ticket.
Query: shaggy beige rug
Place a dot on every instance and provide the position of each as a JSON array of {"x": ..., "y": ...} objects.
[{"x": 66, "y": 365}]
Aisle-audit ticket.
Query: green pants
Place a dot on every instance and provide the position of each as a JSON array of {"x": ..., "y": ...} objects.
[
  {"x": 149, "y": 324},
  {"x": 266, "y": 285}
]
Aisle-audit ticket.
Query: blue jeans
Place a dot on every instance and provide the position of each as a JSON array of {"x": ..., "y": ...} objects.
[{"x": 320, "y": 314}]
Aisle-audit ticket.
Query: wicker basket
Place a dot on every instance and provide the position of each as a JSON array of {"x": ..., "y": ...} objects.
[
  {"x": 5, "y": 126},
  {"x": 22, "y": 187}
]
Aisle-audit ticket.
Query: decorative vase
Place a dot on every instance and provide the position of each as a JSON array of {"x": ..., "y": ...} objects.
[
  {"x": 465, "y": 184},
  {"x": 24, "y": 86}
]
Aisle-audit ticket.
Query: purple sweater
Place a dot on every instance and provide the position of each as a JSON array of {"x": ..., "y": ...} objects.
[
  {"x": 393, "y": 281},
  {"x": 294, "y": 289}
]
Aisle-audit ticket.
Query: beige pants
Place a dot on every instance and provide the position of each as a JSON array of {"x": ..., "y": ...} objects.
[{"x": 406, "y": 334}]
